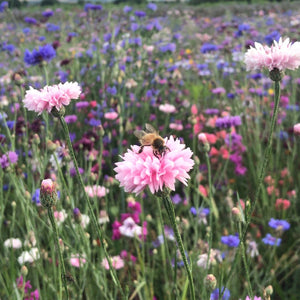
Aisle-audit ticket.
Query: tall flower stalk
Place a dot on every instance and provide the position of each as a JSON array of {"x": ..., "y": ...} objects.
[
  {"x": 48, "y": 200},
  {"x": 142, "y": 169},
  {"x": 167, "y": 202},
  {"x": 53, "y": 100}
]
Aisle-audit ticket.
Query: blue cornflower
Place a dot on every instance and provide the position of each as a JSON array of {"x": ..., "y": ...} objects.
[
  {"x": 169, "y": 47},
  {"x": 52, "y": 27},
  {"x": 8, "y": 47},
  {"x": 26, "y": 30},
  {"x": 107, "y": 37},
  {"x": 46, "y": 52},
  {"x": 207, "y": 47},
  {"x": 94, "y": 122},
  {"x": 152, "y": 6},
  {"x": 3, "y": 6},
  {"x": 230, "y": 240},
  {"x": 111, "y": 90},
  {"x": 274, "y": 35},
  {"x": 270, "y": 240},
  {"x": 90, "y": 6},
  {"x": 279, "y": 224},
  {"x": 215, "y": 294},
  {"x": 30, "y": 20},
  {"x": 47, "y": 13},
  {"x": 293, "y": 107},
  {"x": 140, "y": 13},
  {"x": 244, "y": 27},
  {"x": 127, "y": 9},
  {"x": 36, "y": 196}
]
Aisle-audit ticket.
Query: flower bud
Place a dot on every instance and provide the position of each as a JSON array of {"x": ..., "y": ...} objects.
[
  {"x": 48, "y": 193},
  {"x": 58, "y": 113},
  {"x": 297, "y": 129},
  {"x": 236, "y": 214},
  {"x": 24, "y": 270},
  {"x": 77, "y": 215},
  {"x": 276, "y": 74},
  {"x": 210, "y": 282}
]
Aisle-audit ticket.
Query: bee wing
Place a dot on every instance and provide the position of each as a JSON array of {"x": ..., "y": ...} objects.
[
  {"x": 139, "y": 133},
  {"x": 150, "y": 128}
]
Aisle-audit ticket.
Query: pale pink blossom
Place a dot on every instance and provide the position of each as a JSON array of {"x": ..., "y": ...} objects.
[
  {"x": 167, "y": 108},
  {"x": 297, "y": 129},
  {"x": 140, "y": 170},
  {"x": 60, "y": 216},
  {"x": 13, "y": 243},
  {"x": 281, "y": 55},
  {"x": 51, "y": 96},
  {"x": 77, "y": 260},
  {"x": 96, "y": 191},
  {"x": 116, "y": 261},
  {"x": 112, "y": 115}
]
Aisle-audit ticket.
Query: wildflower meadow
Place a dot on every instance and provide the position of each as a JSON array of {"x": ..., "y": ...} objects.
[{"x": 150, "y": 151}]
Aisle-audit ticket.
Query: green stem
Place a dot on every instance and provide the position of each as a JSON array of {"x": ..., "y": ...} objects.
[
  {"x": 93, "y": 217},
  {"x": 171, "y": 213},
  {"x": 62, "y": 265},
  {"x": 265, "y": 160}
]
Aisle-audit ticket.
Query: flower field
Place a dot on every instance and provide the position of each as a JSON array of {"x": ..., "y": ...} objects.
[{"x": 149, "y": 152}]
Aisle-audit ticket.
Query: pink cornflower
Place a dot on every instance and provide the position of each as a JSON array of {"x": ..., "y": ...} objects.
[
  {"x": 116, "y": 261},
  {"x": 297, "y": 129},
  {"x": 96, "y": 191},
  {"x": 77, "y": 260},
  {"x": 51, "y": 96},
  {"x": 112, "y": 115},
  {"x": 281, "y": 55},
  {"x": 167, "y": 108},
  {"x": 139, "y": 170}
]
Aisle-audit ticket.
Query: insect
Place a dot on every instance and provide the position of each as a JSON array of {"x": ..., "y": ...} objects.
[{"x": 150, "y": 137}]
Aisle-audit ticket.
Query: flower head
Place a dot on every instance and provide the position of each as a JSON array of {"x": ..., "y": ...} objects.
[
  {"x": 281, "y": 55},
  {"x": 50, "y": 97},
  {"x": 270, "y": 240},
  {"x": 139, "y": 170}
]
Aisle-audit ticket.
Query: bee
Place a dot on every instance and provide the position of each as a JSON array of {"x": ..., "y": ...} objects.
[{"x": 150, "y": 137}]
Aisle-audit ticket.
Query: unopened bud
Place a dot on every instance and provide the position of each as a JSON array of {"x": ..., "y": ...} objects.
[
  {"x": 58, "y": 113},
  {"x": 48, "y": 193},
  {"x": 24, "y": 271},
  {"x": 77, "y": 215},
  {"x": 276, "y": 74},
  {"x": 236, "y": 213},
  {"x": 204, "y": 145},
  {"x": 268, "y": 290},
  {"x": 36, "y": 139},
  {"x": 210, "y": 282}
]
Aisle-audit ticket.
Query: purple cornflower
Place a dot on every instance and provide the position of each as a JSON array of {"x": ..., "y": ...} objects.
[
  {"x": 215, "y": 294},
  {"x": 70, "y": 119},
  {"x": 52, "y": 27},
  {"x": 7, "y": 159},
  {"x": 211, "y": 111},
  {"x": 140, "y": 13},
  {"x": 47, "y": 13},
  {"x": 230, "y": 240},
  {"x": 45, "y": 53},
  {"x": 30, "y": 20},
  {"x": 219, "y": 91},
  {"x": 127, "y": 9},
  {"x": 279, "y": 224},
  {"x": 270, "y": 240},
  {"x": 176, "y": 199},
  {"x": 82, "y": 104},
  {"x": 111, "y": 90},
  {"x": 90, "y": 6},
  {"x": 36, "y": 197},
  {"x": 152, "y": 6},
  {"x": 228, "y": 121}
]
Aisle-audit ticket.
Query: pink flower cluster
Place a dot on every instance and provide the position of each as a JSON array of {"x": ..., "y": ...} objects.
[
  {"x": 128, "y": 225},
  {"x": 140, "y": 170},
  {"x": 281, "y": 55},
  {"x": 51, "y": 96}
]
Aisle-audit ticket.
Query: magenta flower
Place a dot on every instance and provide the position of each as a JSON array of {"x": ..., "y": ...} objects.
[
  {"x": 51, "y": 96},
  {"x": 139, "y": 170},
  {"x": 281, "y": 55}
]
